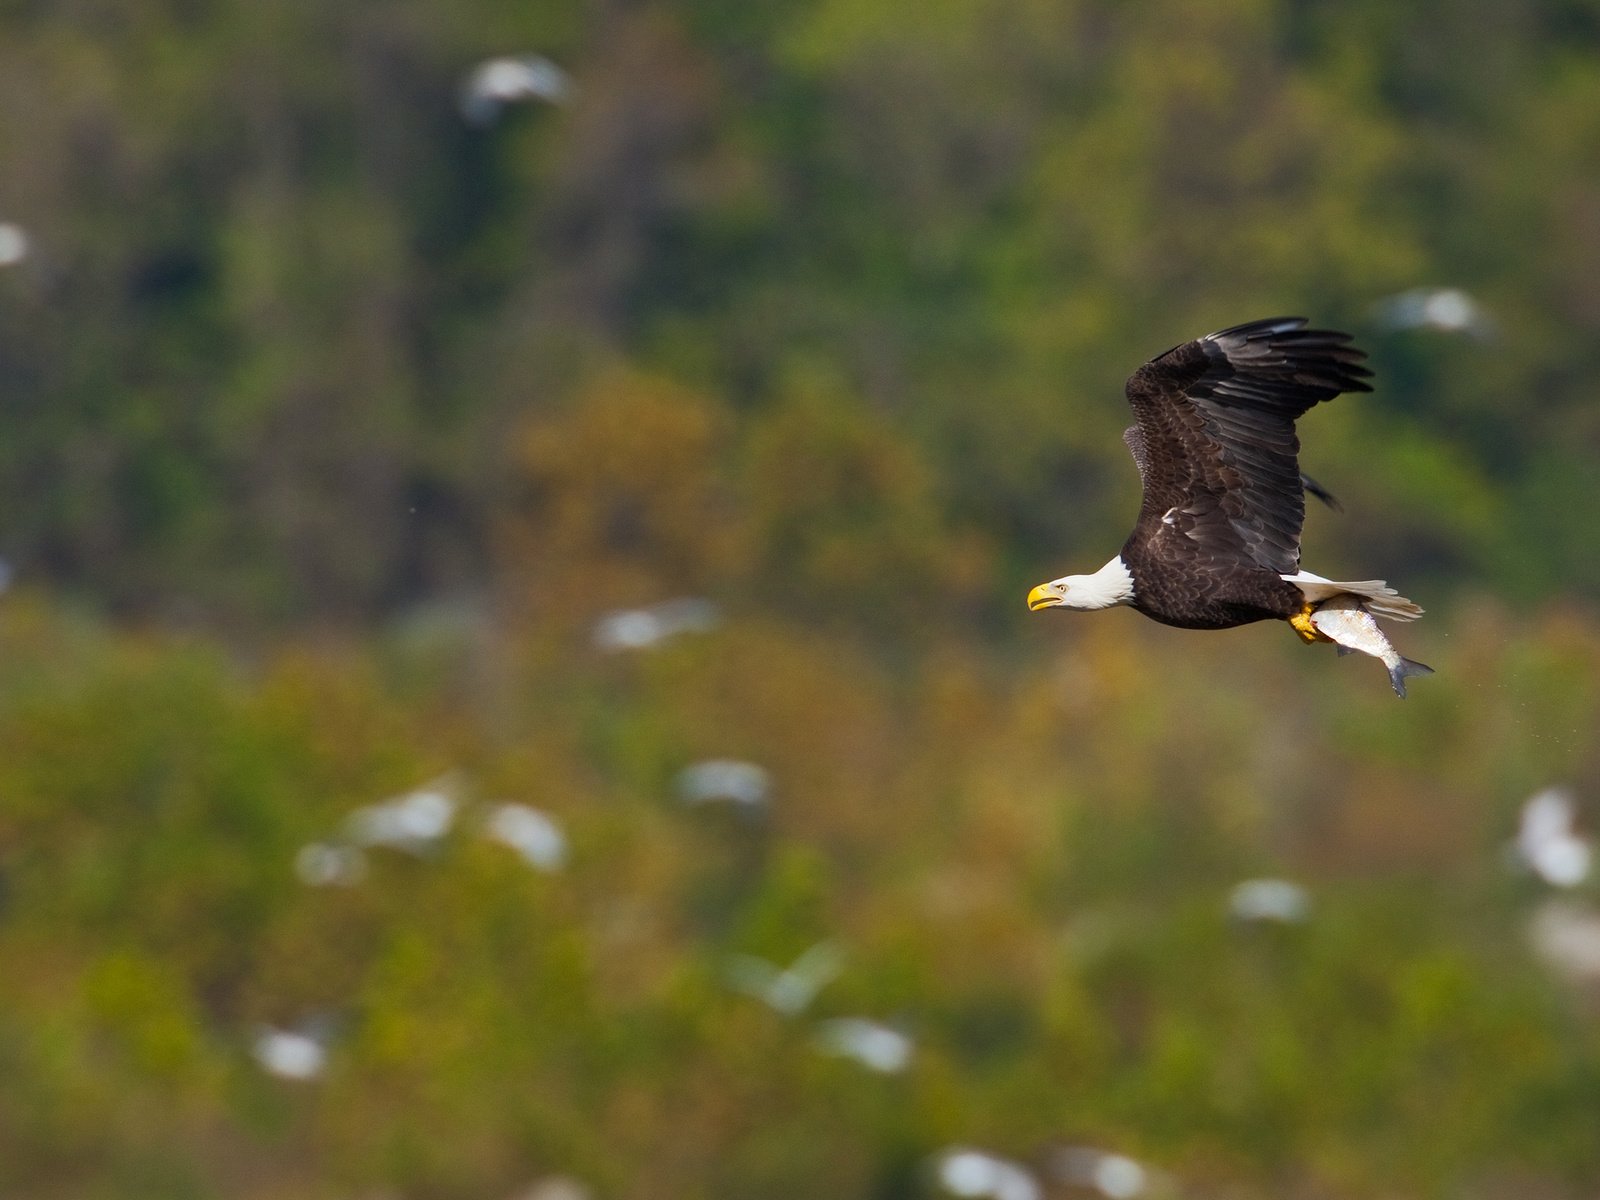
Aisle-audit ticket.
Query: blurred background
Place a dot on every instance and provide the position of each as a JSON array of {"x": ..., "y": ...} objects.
[{"x": 513, "y": 673}]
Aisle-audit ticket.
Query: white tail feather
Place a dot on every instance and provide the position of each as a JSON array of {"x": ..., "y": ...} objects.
[{"x": 1377, "y": 597}]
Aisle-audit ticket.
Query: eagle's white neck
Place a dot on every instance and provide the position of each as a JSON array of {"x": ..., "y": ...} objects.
[{"x": 1111, "y": 585}]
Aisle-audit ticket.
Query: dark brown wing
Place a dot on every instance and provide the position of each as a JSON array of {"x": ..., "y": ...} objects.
[
  {"x": 1215, "y": 440},
  {"x": 1134, "y": 440}
]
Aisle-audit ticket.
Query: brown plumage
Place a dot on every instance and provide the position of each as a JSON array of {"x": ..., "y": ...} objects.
[
  {"x": 1217, "y": 543},
  {"x": 1216, "y": 448}
]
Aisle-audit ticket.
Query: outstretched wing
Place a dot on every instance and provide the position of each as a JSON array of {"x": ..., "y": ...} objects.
[
  {"x": 1215, "y": 441},
  {"x": 1134, "y": 440}
]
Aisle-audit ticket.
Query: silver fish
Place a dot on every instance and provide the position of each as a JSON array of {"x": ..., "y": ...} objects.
[{"x": 1344, "y": 620}]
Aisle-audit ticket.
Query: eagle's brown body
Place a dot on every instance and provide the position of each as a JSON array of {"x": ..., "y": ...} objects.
[{"x": 1216, "y": 603}]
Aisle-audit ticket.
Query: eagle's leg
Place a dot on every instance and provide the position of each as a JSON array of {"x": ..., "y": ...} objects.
[{"x": 1303, "y": 625}]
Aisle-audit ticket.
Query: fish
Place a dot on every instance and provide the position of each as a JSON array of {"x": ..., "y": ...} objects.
[{"x": 1344, "y": 620}]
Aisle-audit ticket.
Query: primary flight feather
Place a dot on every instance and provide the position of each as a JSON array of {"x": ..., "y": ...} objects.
[{"x": 1217, "y": 542}]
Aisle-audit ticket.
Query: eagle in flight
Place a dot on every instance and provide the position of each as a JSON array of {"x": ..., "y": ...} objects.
[{"x": 1217, "y": 543}]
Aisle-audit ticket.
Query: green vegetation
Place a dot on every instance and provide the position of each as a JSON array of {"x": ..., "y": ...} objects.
[{"x": 334, "y": 424}]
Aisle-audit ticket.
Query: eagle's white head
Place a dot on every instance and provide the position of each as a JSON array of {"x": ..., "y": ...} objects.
[{"x": 1111, "y": 585}]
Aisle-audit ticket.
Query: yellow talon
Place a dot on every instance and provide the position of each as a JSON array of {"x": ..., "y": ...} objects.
[{"x": 1303, "y": 625}]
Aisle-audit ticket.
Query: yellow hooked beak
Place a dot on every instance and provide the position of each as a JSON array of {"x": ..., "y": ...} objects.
[{"x": 1046, "y": 595}]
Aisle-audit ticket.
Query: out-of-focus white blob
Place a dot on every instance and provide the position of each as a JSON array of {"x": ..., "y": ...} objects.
[
  {"x": 1566, "y": 935},
  {"x": 740, "y": 783},
  {"x": 1546, "y": 841},
  {"x": 966, "y": 1172},
  {"x": 289, "y": 1053},
  {"x": 321, "y": 864},
  {"x": 1115, "y": 1176},
  {"x": 511, "y": 79},
  {"x": 411, "y": 822},
  {"x": 641, "y": 628},
  {"x": 1445, "y": 310},
  {"x": 1269, "y": 900},
  {"x": 529, "y": 832},
  {"x": 14, "y": 244},
  {"x": 555, "y": 1187},
  {"x": 788, "y": 990},
  {"x": 874, "y": 1045}
]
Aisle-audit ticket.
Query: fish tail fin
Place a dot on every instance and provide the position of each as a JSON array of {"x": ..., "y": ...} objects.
[{"x": 1406, "y": 667}]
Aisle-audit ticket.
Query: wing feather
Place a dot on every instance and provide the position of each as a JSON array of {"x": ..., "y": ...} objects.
[{"x": 1215, "y": 439}]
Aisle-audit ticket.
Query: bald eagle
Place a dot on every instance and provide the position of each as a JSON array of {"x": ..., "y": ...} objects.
[{"x": 1217, "y": 543}]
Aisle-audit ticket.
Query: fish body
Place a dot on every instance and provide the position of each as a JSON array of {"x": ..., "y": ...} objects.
[{"x": 1345, "y": 621}]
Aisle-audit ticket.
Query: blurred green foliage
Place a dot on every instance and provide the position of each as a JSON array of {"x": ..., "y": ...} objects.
[
  {"x": 335, "y": 422},
  {"x": 1026, "y": 868},
  {"x": 285, "y": 310}
]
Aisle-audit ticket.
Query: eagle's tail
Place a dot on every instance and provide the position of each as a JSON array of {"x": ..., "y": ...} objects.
[{"x": 1377, "y": 597}]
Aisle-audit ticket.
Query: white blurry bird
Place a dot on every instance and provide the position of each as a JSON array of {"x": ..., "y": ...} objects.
[
  {"x": 741, "y": 783},
  {"x": 788, "y": 990},
  {"x": 1269, "y": 900},
  {"x": 532, "y": 834},
  {"x": 412, "y": 822},
  {"x": 511, "y": 79},
  {"x": 641, "y": 628},
  {"x": 874, "y": 1045},
  {"x": 1442, "y": 309},
  {"x": 1566, "y": 935},
  {"x": 1115, "y": 1176},
  {"x": 1546, "y": 842},
  {"x": 298, "y": 1054},
  {"x": 556, "y": 1187},
  {"x": 14, "y": 244},
  {"x": 328, "y": 864},
  {"x": 963, "y": 1171}
]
